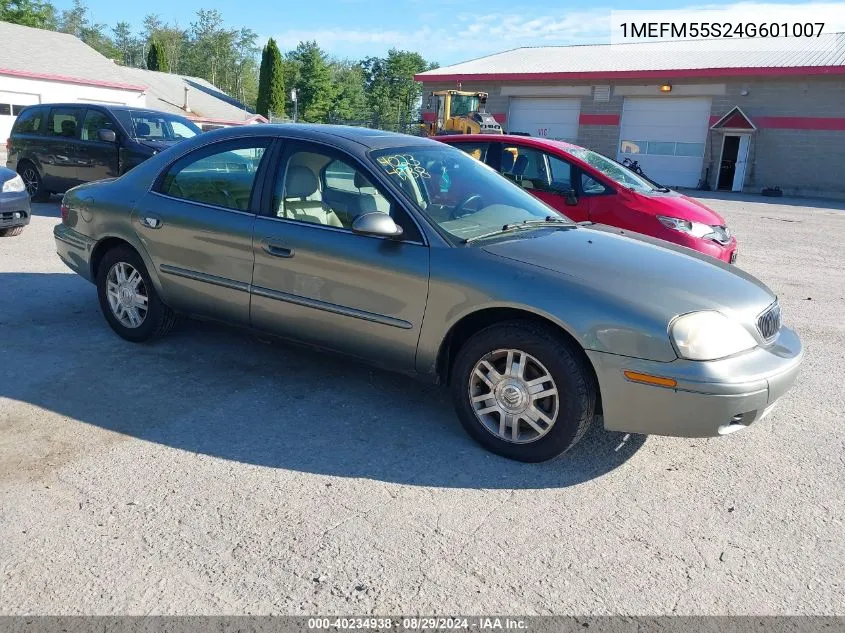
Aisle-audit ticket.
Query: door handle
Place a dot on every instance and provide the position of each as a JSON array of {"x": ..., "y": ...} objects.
[
  {"x": 151, "y": 222},
  {"x": 275, "y": 249}
]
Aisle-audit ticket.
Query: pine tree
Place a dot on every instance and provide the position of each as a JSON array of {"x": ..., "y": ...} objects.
[
  {"x": 261, "y": 103},
  {"x": 155, "y": 58},
  {"x": 276, "y": 80}
]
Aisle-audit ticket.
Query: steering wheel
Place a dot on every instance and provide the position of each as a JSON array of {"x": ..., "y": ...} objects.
[{"x": 456, "y": 212}]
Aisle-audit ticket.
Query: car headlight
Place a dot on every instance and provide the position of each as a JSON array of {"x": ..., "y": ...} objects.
[
  {"x": 696, "y": 229},
  {"x": 14, "y": 185},
  {"x": 709, "y": 335}
]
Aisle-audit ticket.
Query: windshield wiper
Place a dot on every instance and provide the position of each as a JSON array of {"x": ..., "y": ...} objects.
[{"x": 514, "y": 226}]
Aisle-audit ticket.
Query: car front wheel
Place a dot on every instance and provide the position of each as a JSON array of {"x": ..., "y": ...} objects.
[
  {"x": 32, "y": 181},
  {"x": 129, "y": 300},
  {"x": 523, "y": 391}
]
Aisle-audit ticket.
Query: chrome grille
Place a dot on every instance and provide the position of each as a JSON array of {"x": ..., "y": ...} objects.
[{"x": 768, "y": 323}]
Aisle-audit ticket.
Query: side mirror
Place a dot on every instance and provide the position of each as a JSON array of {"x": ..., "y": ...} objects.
[
  {"x": 107, "y": 136},
  {"x": 377, "y": 224}
]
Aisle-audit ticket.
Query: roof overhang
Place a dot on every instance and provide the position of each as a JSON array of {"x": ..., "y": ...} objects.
[
  {"x": 767, "y": 71},
  {"x": 255, "y": 118},
  {"x": 25, "y": 74},
  {"x": 735, "y": 121}
]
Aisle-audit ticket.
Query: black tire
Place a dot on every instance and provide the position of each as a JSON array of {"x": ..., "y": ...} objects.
[
  {"x": 15, "y": 230},
  {"x": 159, "y": 318},
  {"x": 575, "y": 383},
  {"x": 30, "y": 173}
]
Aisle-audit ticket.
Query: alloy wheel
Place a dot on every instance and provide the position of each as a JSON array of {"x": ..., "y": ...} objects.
[
  {"x": 31, "y": 180},
  {"x": 514, "y": 396},
  {"x": 127, "y": 294}
]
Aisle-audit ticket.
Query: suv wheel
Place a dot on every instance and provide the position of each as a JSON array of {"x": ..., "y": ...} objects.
[
  {"x": 129, "y": 300},
  {"x": 522, "y": 391}
]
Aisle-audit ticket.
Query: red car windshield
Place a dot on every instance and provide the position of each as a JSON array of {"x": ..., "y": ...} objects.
[{"x": 613, "y": 170}]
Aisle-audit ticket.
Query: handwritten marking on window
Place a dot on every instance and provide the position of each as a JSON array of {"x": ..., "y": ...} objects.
[{"x": 403, "y": 166}]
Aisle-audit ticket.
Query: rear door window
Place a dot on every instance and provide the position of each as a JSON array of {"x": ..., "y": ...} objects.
[
  {"x": 477, "y": 150},
  {"x": 29, "y": 122},
  {"x": 64, "y": 122}
]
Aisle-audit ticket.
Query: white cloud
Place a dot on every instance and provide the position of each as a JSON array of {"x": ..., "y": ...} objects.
[{"x": 466, "y": 35}]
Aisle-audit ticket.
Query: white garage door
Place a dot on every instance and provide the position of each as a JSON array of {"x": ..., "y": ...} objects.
[
  {"x": 10, "y": 104},
  {"x": 549, "y": 118},
  {"x": 666, "y": 135}
]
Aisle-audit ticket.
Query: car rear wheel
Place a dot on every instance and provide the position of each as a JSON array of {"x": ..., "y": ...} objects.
[
  {"x": 523, "y": 391},
  {"x": 11, "y": 232},
  {"x": 129, "y": 300},
  {"x": 32, "y": 181}
]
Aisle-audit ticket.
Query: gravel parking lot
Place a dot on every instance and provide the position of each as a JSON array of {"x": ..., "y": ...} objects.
[{"x": 215, "y": 473}]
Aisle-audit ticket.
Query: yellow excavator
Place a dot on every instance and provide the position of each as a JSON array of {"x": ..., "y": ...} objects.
[{"x": 457, "y": 112}]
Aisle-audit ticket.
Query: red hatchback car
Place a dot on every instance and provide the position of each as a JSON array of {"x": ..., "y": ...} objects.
[{"x": 586, "y": 186}]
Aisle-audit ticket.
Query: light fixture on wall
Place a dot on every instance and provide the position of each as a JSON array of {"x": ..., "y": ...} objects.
[{"x": 667, "y": 87}]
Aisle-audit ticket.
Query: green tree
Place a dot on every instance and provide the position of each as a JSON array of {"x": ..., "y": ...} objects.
[
  {"x": 263, "y": 97},
  {"x": 275, "y": 80},
  {"x": 156, "y": 59},
  {"x": 314, "y": 86},
  {"x": 172, "y": 39},
  {"x": 129, "y": 46},
  {"x": 41, "y": 15},
  {"x": 392, "y": 93},
  {"x": 350, "y": 102},
  {"x": 75, "y": 21}
]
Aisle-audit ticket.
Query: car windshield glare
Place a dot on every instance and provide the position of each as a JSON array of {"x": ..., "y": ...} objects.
[
  {"x": 161, "y": 127},
  {"x": 613, "y": 170},
  {"x": 461, "y": 195}
]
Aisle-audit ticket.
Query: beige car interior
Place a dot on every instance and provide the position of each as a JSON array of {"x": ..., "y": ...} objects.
[{"x": 303, "y": 196}]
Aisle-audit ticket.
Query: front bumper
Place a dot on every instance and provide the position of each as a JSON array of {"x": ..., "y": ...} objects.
[
  {"x": 14, "y": 209},
  {"x": 74, "y": 249},
  {"x": 711, "y": 398}
]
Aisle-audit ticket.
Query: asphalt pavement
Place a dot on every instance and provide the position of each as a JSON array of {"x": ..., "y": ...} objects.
[{"x": 214, "y": 473}]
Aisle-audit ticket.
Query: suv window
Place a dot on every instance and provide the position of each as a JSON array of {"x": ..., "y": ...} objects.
[
  {"x": 221, "y": 175},
  {"x": 477, "y": 150},
  {"x": 64, "y": 122},
  {"x": 526, "y": 166},
  {"x": 95, "y": 120},
  {"x": 29, "y": 122}
]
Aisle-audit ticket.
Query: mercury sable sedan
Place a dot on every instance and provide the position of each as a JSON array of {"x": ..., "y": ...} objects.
[{"x": 412, "y": 255}]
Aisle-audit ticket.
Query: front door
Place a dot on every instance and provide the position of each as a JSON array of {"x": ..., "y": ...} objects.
[
  {"x": 318, "y": 282},
  {"x": 727, "y": 166},
  {"x": 196, "y": 225},
  {"x": 741, "y": 163},
  {"x": 98, "y": 159}
]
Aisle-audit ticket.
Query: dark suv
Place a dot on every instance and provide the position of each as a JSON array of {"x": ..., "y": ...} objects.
[{"x": 57, "y": 146}]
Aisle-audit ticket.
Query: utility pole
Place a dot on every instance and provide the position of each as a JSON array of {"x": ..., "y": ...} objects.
[{"x": 293, "y": 97}]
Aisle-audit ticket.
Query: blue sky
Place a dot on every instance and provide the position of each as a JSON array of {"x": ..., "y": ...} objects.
[{"x": 446, "y": 31}]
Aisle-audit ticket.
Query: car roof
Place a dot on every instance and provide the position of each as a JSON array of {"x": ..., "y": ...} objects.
[
  {"x": 516, "y": 139},
  {"x": 344, "y": 136},
  {"x": 104, "y": 106}
]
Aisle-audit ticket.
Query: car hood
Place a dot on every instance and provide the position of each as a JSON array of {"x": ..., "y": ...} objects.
[
  {"x": 677, "y": 205},
  {"x": 655, "y": 277}
]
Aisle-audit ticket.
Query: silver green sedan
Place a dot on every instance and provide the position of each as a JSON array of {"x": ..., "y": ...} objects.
[{"x": 412, "y": 255}]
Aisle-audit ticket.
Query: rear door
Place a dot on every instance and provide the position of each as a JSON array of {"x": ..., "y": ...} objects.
[
  {"x": 98, "y": 159},
  {"x": 196, "y": 225},
  {"x": 60, "y": 162}
]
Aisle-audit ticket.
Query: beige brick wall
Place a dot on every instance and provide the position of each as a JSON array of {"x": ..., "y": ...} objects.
[{"x": 802, "y": 162}]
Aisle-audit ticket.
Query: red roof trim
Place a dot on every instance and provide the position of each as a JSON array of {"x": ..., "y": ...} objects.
[
  {"x": 598, "y": 119},
  {"x": 254, "y": 117},
  {"x": 71, "y": 80},
  {"x": 640, "y": 74}
]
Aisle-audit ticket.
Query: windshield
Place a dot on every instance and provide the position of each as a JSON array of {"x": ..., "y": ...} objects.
[
  {"x": 148, "y": 126},
  {"x": 462, "y": 105},
  {"x": 459, "y": 194},
  {"x": 613, "y": 170}
]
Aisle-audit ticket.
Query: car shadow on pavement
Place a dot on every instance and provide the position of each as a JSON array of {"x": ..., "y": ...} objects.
[
  {"x": 220, "y": 391},
  {"x": 50, "y": 209}
]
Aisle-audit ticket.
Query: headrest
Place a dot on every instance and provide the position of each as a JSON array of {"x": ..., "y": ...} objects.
[
  {"x": 520, "y": 164},
  {"x": 300, "y": 182},
  {"x": 507, "y": 161},
  {"x": 142, "y": 129},
  {"x": 68, "y": 127},
  {"x": 361, "y": 181}
]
